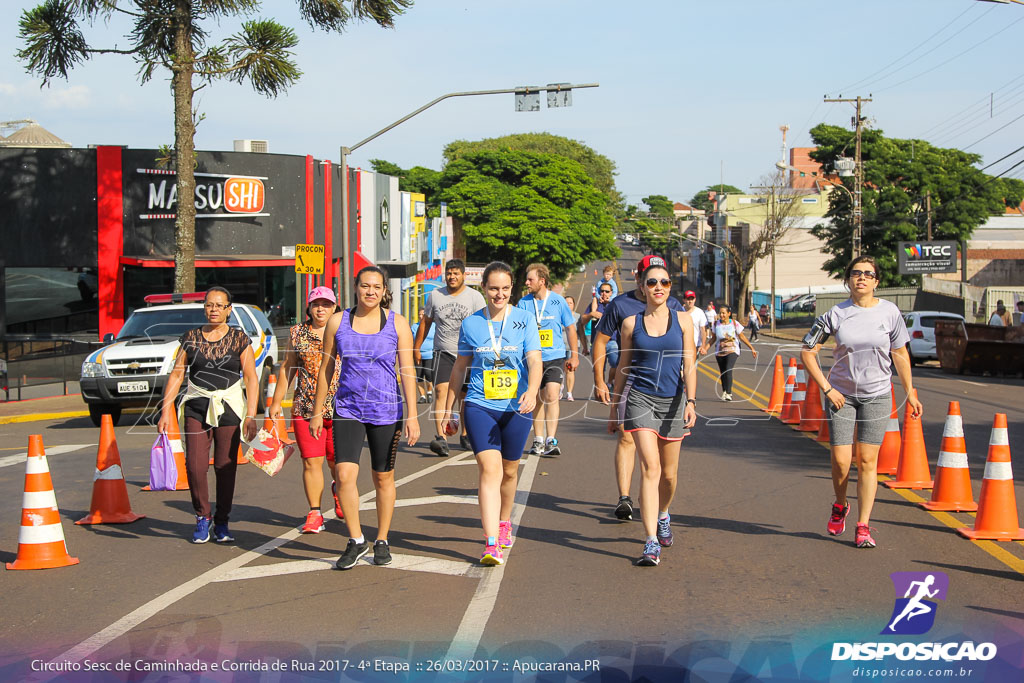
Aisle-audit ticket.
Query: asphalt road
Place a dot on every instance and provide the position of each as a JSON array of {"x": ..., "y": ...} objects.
[{"x": 752, "y": 586}]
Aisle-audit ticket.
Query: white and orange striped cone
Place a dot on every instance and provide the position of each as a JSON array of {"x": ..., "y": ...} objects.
[
  {"x": 811, "y": 413},
  {"x": 952, "y": 490},
  {"x": 41, "y": 538},
  {"x": 799, "y": 395},
  {"x": 110, "y": 503},
  {"x": 787, "y": 392},
  {"x": 178, "y": 448},
  {"x": 997, "y": 518},
  {"x": 892, "y": 442},
  {"x": 913, "y": 471},
  {"x": 777, "y": 394}
]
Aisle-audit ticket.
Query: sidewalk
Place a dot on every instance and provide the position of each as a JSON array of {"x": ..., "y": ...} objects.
[{"x": 47, "y": 408}]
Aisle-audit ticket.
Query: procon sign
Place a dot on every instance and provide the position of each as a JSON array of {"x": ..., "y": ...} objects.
[
  {"x": 217, "y": 195},
  {"x": 927, "y": 257}
]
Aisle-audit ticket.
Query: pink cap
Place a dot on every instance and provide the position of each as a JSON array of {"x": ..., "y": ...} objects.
[{"x": 321, "y": 292}]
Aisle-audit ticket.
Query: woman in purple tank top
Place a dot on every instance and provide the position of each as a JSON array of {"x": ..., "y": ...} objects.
[{"x": 368, "y": 339}]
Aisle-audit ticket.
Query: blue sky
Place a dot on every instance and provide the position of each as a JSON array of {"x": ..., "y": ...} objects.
[{"x": 688, "y": 90}]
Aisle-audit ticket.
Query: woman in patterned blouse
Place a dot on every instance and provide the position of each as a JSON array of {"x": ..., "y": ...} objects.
[{"x": 303, "y": 358}]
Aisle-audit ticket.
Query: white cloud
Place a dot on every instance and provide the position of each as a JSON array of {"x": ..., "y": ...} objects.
[
  {"x": 7, "y": 89},
  {"x": 73, "y": 97}
]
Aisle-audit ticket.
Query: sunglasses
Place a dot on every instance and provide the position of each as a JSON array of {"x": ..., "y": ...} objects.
[
  {"x": 652, "y": 281},
  {"x": 213, "y": 305},
  {"x": 868, "y": 274}
]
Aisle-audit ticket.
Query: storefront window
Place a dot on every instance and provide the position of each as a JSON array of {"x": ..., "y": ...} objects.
[{"x": 51, "y": 300}]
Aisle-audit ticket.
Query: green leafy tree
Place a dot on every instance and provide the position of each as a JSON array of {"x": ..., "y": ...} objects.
[
  {"x": 657, "y": 228},
  {"x": 700, "y": 200},
  {"x": 522, "y": 207},
  {"x": 598, "y": 167},
  {"x": 898, "y": 176},
  {"x": 172, "y": 36},
  {"x": 416, "y": 179}
]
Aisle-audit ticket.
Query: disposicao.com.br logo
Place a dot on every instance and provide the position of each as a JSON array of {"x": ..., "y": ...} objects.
[{"x": 913, "y": 613}]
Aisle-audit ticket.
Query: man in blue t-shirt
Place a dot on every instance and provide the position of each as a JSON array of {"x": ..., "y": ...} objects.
[
  {"x": 621, "y": 307},
  {"x": 553, "y": 315}
]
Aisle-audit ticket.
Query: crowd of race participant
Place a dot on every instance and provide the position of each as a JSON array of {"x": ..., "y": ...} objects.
[{"x": 495, "y": 370}]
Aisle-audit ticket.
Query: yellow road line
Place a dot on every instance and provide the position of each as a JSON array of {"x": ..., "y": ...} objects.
[{"x": 38, "y": 417}]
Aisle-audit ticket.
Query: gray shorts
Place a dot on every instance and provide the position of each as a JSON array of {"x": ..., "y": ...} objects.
[
  {"x": 662, "y": 415},
  {"x": 869, "y": 414}
]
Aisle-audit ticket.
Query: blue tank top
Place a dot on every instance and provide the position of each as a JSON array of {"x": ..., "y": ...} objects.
[
  {"x": 657, "y": 361},
  {"x": 367, "y": 383}
]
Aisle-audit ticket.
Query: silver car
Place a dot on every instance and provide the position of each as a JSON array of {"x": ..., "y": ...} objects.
[{"x": 921, "y": 326}]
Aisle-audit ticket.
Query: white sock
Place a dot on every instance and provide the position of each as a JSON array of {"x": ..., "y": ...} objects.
[
  {"x": 662, "y": 515},
  {"x": 359, "y": 540}
]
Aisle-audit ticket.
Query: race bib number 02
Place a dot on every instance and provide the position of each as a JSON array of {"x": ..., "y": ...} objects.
[
  {"x": 547, "y": 338},
  {"x": 500, "y": 384}
]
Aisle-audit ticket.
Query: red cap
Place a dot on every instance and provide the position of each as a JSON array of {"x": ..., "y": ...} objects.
[
  {"x": 648, "y": 261},
  {"x": 689, "y": 294}
]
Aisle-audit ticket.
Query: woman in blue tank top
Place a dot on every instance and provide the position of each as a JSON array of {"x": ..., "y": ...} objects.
[
  {"x": 658, "y": 354},
  {"x": 368, "y": 340}
]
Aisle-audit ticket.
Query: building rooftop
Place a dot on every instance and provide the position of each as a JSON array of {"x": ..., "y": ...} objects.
[{"x": 33, "y": 135}]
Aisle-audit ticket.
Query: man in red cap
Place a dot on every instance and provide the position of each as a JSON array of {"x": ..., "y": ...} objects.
[
  {"x": 700, "y": 321},
  {"x": 621, "y": 307}
]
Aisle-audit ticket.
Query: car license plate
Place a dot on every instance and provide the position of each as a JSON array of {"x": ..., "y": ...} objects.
[{"x": 132, "y": 387}]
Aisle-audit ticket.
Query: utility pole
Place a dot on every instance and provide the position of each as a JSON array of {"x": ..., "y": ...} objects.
[
  {"x": 928, "y": 211},
  {"x": 858, "y": 175}
]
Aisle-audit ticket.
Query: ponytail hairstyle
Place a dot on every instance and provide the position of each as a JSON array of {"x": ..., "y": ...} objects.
[
  {"x": 385, "y": 300},
  {"x": 496, "y": 267}
]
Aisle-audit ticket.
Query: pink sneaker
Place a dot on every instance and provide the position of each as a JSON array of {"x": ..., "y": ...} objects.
[
  {"x": 505, "y": 534},
  {"x": 491, "y": 556},
  {"x": 863, "y": 538},
  {"x": 314, "y": 523},
  {"x": 837, "y": 520}
]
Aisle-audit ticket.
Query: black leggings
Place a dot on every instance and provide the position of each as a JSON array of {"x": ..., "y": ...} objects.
[
  {"x": 383, "y": 440},
  {"x": 725, "y": 364}
]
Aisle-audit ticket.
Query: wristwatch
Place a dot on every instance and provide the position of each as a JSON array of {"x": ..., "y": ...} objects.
[{"x": 692, "y": 400}]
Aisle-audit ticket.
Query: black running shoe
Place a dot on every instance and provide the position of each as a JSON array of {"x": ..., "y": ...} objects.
[
  {"x": 439, "y": 446},
  {"x": 624, "y": 510},
  {"x": 381, "y": 553},
  {"x": 464, "y": 443},
  {"x": 352, "y": 554}
]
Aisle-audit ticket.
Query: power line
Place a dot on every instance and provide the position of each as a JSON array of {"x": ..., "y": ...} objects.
[
  {"x": 957, "y": 118},
  {"x": 1001, "y": 158},
  {"x": 970, "y": 125},
  {"x": 993, "y": 132}
]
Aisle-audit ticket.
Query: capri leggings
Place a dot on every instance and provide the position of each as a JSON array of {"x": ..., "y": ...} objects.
[
  {"x": 869, "y": 414},
  {"x": 383, "y": 440}
]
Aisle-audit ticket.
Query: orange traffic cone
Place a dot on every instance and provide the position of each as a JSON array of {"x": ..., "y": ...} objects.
[
  {"x": 778, "y": 392},
  {"x": 787, "y": 394},
  {"x": 913, "y": 471},
  {"x": 41, "y": 538},
  {"x": 889, "y": 452},
  {"x": 109, "y": 494},
  {"x": 174, "y": 435},
  {"x": 811, "y": 415},
  {"x": 952, "y": 478},
  {"x": 823, "y": 433},
  {"x": 997, "y": 507},
  {"x": 799, "y": 394}
]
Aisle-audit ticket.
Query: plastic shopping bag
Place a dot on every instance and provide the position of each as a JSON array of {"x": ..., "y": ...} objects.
[
  {"x": 272, "y": 460},
  {"x": 163, "y": 472}
]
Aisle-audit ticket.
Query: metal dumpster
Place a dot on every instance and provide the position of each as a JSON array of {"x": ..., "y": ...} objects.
[{"x": 979, "y": 349}]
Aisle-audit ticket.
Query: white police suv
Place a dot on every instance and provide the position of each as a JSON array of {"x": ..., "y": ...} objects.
[{"x": 133, "y": 370}]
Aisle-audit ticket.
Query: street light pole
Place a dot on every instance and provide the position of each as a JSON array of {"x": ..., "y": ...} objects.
[{"x": 346, "y": 242}]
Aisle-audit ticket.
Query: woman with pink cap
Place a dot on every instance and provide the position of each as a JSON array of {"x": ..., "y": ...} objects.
[{"x": 303, "y": 359}]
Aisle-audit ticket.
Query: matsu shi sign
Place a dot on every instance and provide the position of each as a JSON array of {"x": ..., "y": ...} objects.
[{"x": 217, "y": 195}]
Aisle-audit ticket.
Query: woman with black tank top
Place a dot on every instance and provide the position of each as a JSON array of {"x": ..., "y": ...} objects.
[
  {"x": 214, "y": 408},
  {"x": 658, "y": 359}
]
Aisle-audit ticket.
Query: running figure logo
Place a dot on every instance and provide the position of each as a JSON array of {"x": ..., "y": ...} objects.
[{"x": 914, "y": 613}]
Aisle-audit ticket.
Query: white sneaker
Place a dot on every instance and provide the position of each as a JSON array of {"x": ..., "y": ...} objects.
[
  {"x": 538, "y": 446},
  {"x": 726, "y": 397}
]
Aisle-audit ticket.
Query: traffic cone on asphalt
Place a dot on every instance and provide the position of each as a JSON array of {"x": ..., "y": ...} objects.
[
  {"x": 174, "y": 436},
  {"x": 110, "y": 503},
  {"x": 799, "y": 394},
  {"x": 787, "y": 394},
  {"x": 41, "y": 537},
  {"x": 778, "y": 393},
  {"x": 823, "y": 433},
  {"x": 889, "y": 452},
  {"x": 997, "y": 506},
  {"x": 952, "y": 478},
  {"x": 913, "y": 471},
  {"x": 277, "y": 426},
  {"x": 811, "y": 414}
]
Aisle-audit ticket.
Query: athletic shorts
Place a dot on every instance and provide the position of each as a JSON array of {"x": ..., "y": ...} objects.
[
  {"x": 870, "y": 415},
  {"x": 383, "y": 441},
  {"x": 443, "y": 364},
  {"x": 314, "y": 448},
  {"x": 554, "y": 371},
  {"x": 620, "y": 406},
  {"x": 658, "y": 414},
  {"x": 498, "y": 430},
  {"x": 425, "y": 372}
]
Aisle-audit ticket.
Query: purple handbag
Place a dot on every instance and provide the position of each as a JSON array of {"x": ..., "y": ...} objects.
[{"x": 163, "y": 473}]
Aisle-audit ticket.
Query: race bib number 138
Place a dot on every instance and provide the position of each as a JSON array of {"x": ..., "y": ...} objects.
[{"x": 501, "y": 384}]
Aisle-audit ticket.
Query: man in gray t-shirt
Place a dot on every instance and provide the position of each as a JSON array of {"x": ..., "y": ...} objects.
[
  {"x": 446, "y": 307},
  {"x": 864, "y": 338}
]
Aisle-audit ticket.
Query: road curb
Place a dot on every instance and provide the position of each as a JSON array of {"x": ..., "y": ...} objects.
[{"x": 35, "y": 417}]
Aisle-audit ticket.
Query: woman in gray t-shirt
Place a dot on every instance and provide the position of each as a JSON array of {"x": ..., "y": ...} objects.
[{"x": 871, "y": 338}]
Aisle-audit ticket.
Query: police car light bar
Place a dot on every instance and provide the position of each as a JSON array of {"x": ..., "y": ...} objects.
[{"x": 152, "y": 299}]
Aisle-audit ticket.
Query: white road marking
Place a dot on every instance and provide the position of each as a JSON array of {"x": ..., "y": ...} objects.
[
  {"x": 19, "y": 458},
  {"x": 967, "y": 381},
  {"x": 128, "y": 622},
  {"x": 416, "y": 563},
  {"x": 467, "y": 638}
]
